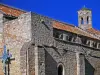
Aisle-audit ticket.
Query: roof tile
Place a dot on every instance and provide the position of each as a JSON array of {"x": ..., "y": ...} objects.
[
  {"x": 93, "y": 31},
  {"x": 11, "y": 11},
  {"x": 72, "y": 29},
  {"x": 66, "y": 27}
]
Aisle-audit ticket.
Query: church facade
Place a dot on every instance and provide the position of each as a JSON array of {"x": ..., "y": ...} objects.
[{"x": 43, "y": 46}]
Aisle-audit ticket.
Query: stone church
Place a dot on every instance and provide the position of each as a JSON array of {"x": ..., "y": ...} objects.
[{"x": 44, "y": 46}]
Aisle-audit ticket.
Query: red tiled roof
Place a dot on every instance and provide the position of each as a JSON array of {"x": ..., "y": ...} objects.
[
  {"x": 58, "y": 25},
  {"x": 73, "y": 29},
  {"x": 93, "y": 31},
  {"x": 10, "y": 11}
]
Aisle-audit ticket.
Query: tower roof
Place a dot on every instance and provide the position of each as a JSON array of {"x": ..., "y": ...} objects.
[{"x": 85, "y": 8}]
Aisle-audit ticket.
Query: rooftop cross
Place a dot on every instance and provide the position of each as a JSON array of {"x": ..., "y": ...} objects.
[{"x": 5, "y": 58}]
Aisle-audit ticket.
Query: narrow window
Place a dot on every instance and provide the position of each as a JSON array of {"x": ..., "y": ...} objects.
[
  {"x": 88, "y": 20},
  {"x": 56, "y": 34},
  {"x": 60, "y": 70},
  {"x": 67, "y": 38},
  {"x": 82, "y": 22},
  {"x": 94, "y": 44},
  {"x": 84, "y": 41},
  {"x": 70, "y": 38}
]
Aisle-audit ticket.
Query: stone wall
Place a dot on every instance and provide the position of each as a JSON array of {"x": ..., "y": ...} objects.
[
  {"x": 1, "y": 42},
  {"x": 42, "y": 30},
  {"x": 65, "y": 53},
  {"x": 55, "y": 57},
  {"x": 31, "y": 60},
  {"x": 30, "y": 40},
  {"x": 16, "y": 33},
  {"x": 42, "y": 34},
  {"x": 55, "y": 51},
  {"x": 91, "y": 58}
]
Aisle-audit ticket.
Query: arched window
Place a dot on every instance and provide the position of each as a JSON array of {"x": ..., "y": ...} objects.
[
  {"x": 87, "y": 19},
  {"x": 82, "y": 22},
  {"x": 60, "y": 70}
]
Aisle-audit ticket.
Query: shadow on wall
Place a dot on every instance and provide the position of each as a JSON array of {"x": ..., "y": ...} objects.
[
  {"x": 89, "y": 70},
  {"x": 50, "y": 65}
]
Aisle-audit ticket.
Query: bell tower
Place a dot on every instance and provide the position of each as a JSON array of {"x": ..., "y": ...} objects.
[{"x": 85, "y": 18}]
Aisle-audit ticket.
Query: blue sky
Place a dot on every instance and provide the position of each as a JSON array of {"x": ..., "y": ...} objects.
[{"x": 63, "y": 10}]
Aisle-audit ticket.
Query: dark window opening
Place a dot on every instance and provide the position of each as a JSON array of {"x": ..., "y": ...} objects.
[
  {"x": 98, "y": 45},
  {"x": 67, "y": 38},
  {"x": 94, "y": 44},
  {"x": 70, "y": 38},
  {"x": 60, "y": 70},
  {"x": 64, "y": 36},
  {"x": 61, "y": 36},
  {"x": 87, "y": 20},
  {"x": 73, "y": 39},
  {"x": 82, "y": 22},
  {"x": 56, "y": 34},
  {"x": 84, "y": 41}
]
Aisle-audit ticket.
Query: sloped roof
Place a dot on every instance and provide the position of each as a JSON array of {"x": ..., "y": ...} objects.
[
  {"x": 93, "y": 31},
  {"x": 10, "y": 11},
  {"x": 56, "y": 24},
  {"x": 76, "y": 30}
]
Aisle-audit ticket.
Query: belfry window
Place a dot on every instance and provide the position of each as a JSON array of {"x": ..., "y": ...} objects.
[
  {"x": 87, "y": 19},
  {"x": 60, "y": 70},
  {"x": 82, "y": 22}
]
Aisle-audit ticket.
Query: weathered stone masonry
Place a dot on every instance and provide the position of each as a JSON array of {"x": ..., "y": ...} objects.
[
  {"x": 37, "y": 51},
  {"x": 16, "y": 34}
]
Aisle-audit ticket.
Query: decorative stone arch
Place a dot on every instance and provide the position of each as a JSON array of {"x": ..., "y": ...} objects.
[
  {"x": 24, "y": 65},
  {"x": 61, "y": 69}
]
